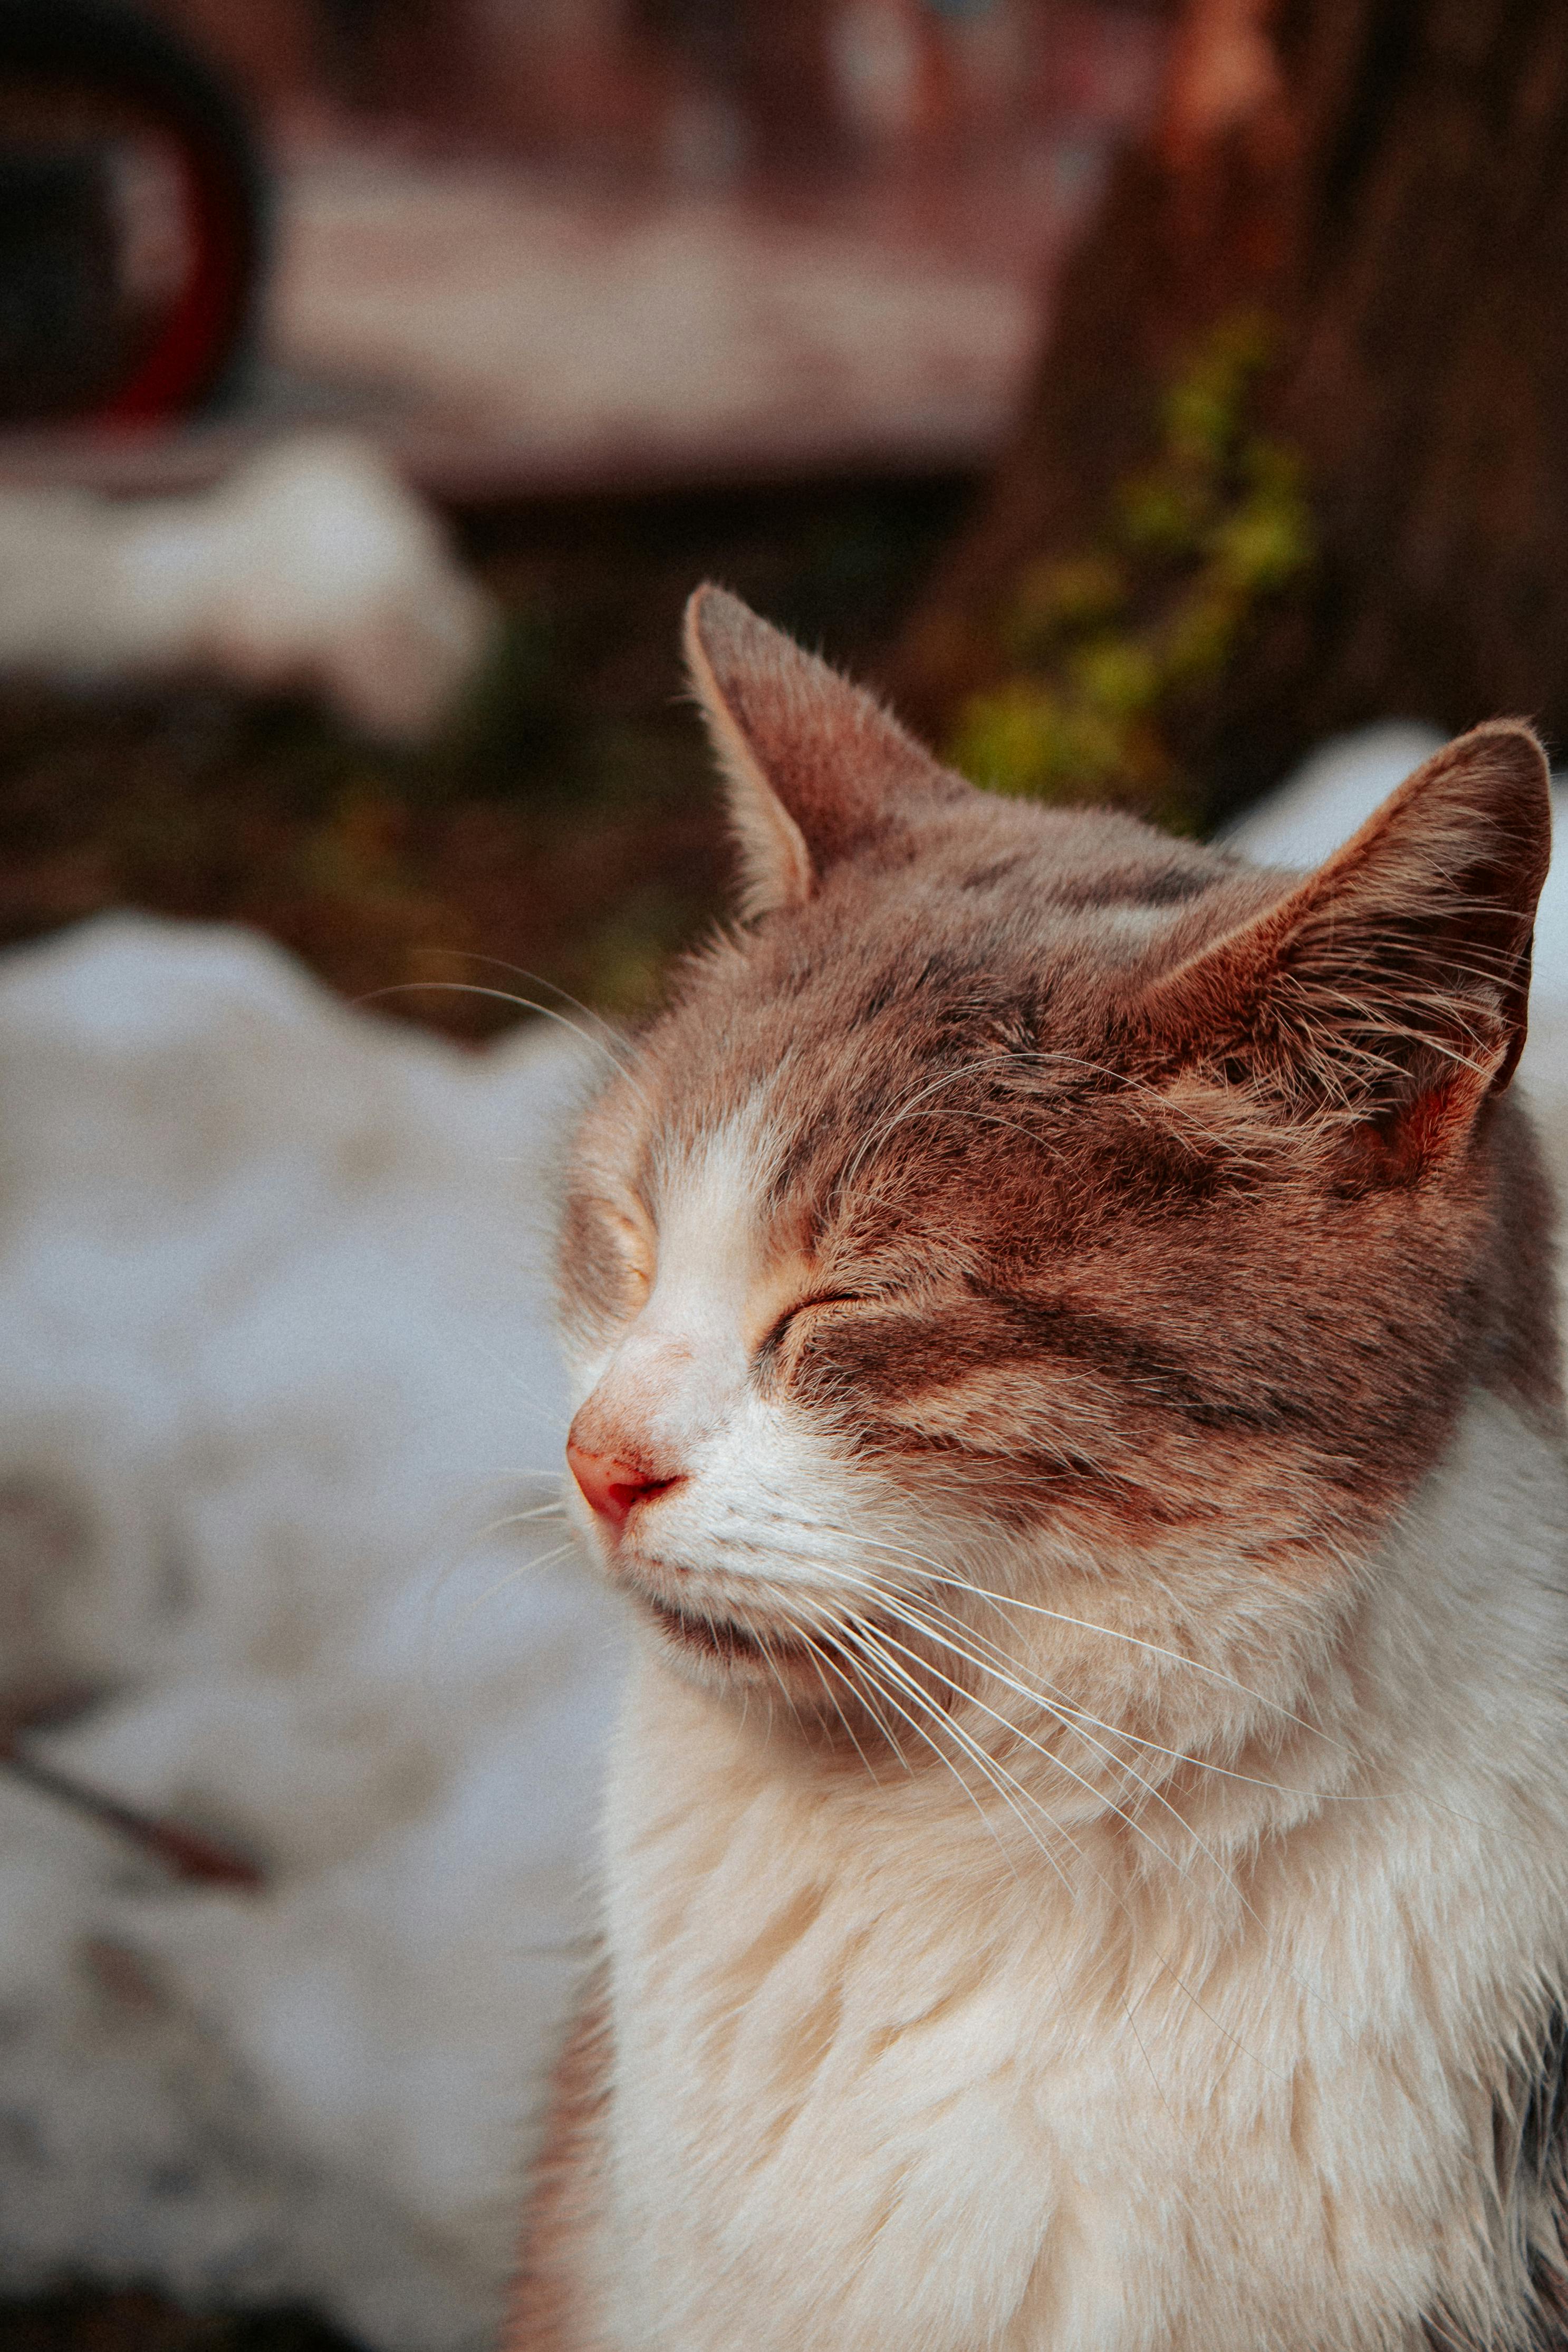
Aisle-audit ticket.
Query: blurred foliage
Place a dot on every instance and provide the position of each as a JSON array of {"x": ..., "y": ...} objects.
[
  {"x": 560, "y": 833},
  {"x": 1108, "y": 648}
]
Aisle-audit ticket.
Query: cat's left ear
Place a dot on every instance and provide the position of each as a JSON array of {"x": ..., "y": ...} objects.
[
  {"x": 1391, "y": 986},
  {"x": 815, "y": 768}
]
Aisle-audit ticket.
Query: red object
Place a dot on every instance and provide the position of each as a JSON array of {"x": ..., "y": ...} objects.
[
  {"x": 109, "y": 62},
  {"x": 194, "y": 337}
]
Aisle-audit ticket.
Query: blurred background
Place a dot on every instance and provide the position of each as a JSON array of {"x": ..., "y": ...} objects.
[
  {"x": 625, "y": 294},
  {"x": 1145, "y": 394}
]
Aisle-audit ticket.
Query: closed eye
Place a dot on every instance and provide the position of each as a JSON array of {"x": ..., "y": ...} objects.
[
  {"x": 803, "y": 1309},
  {"x": 617, "y": 1250}
]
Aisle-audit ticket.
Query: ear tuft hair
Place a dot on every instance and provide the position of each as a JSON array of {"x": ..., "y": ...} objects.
[{"x": 1391, "y": 985}]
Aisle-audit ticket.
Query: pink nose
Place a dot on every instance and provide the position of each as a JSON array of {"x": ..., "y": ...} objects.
[{"x": 613, "y": 1488}]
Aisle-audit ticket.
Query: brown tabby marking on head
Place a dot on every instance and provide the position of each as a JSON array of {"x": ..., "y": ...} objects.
[{"x": 1042, "y": 1096}]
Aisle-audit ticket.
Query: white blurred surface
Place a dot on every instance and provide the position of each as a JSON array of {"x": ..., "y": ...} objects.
[
  {"x": 310, "y": 567},
  {"x": 274, "y": 1282},
  {"x": 1321, "y": 803}
]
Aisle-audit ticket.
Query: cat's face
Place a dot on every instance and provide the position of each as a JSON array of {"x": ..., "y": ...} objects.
[{"x": 1030, "y": 1213}]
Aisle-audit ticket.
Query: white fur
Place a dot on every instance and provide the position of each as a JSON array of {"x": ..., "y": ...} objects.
[
  {"x": 881, "y": 2064},
  {"x": 761, "y": 1487}
]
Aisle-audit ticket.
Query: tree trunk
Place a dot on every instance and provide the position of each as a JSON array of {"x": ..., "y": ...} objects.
[{"x": 1386, "y": 183}]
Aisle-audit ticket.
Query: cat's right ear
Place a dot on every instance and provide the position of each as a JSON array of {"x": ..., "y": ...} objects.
[
  {"x": 1391, "y": 985},
  {"x": 814, "y": 768}
]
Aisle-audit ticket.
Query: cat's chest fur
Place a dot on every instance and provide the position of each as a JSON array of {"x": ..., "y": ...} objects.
[{"x": 873, "y": 2060}]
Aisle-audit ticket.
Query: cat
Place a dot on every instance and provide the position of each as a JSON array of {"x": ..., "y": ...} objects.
[{"x": 1067, "y": 1385}]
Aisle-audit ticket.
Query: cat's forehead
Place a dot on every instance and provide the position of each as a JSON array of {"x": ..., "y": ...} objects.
[
  {"x": 1049, "y": 918},
  {"x": 1002, "y": 943}
]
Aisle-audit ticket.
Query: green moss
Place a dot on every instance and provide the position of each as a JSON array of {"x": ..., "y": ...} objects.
[
  {"x": 1108, "y": 648},
  {"x": 1024, "y": 738},
  {"x": 1200, "y": 637},
  {"x": 1056, "y": 599},
  {"x": 1117, "y": 677}
]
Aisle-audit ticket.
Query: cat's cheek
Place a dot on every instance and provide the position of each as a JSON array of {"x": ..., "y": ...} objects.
[{"x": 595, "y": 1315}]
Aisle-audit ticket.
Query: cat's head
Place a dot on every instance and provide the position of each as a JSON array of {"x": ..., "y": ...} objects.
[{"x": 1022, "y": 1204}]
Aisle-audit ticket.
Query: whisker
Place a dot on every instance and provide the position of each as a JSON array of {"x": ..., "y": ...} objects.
[
  {"x": 1160, "y": 1958},
  {"x": 1002, "y": 1785},
  {"x": 878, "y": 1136},
  {"x": 548, "y": 1409},
  {"x": 853, "y": 1634},
  {"x": 513, "y": 1576},
  {"x": 519, "y": 1519},
  {"x": 499, "y": 996},
  {"x": 616, "y": 1042},
  {"x": 1115, "y": 1633},
  {"x": 818, "y": 1663},
  {"x": 1058, "y": 1698},
  {"x": 989, "y": 1659},
  {"x": 941, "y": 1574},
  {"x": 761, "y": 1639},
  {"x": 1047, "y": 1754},
  {"x": 1006, "y": 1673}
]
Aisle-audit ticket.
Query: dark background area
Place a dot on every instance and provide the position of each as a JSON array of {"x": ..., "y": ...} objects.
[{"x": 561, "y": 821}]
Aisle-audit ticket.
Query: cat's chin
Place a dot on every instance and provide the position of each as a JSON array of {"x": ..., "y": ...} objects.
[
  {"x": 723, "y": 1647},
  {"x": 824, "y": 1699}
]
